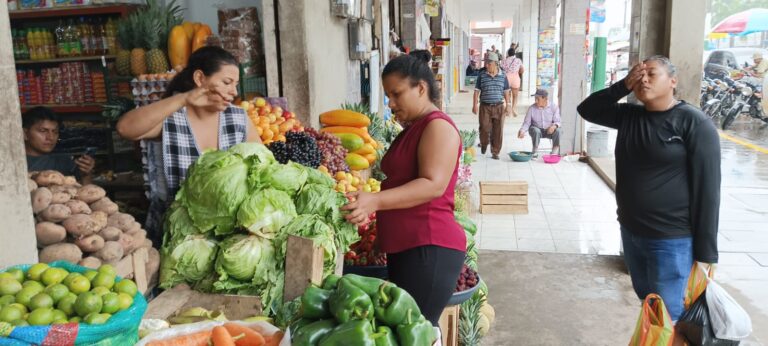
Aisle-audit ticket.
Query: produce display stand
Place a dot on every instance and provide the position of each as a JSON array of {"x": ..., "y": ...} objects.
[
  {"x": 303, "y": 267},
  {"x": 134, "y": 266},
  {"x": 449, "y": 324}
]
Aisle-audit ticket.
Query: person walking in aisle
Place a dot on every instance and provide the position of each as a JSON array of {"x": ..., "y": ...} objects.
[
  {"x": 425, "y": 246},
  {"x": 667, "y": 179},
  {"x": 513, "y": 68},
  {"x": 492, "y": 93}
]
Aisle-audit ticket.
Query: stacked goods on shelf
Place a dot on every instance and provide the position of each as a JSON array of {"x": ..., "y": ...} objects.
[
  {"x": 148, "y": 88},
  {"x": 143, "y": 38},
  {"x": 69, "y": 83},
  {"x": 227, "y": 230},
  {"x": 271, "y": 122},
  {"x": 79, "y": 224},
  {"x": 358, "y": 310},
  {"x": 240, "y": 34},
  {"x": 62, "y": 303}
]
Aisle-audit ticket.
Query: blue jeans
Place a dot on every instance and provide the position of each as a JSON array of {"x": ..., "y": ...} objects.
[{"x": 659, "y": 266}]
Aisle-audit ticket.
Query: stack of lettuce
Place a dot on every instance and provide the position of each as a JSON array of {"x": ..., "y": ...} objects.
[{"x": 226, "y": 230}]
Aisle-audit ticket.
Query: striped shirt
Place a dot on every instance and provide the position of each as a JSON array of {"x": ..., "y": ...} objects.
[{"x": 492, "y": 88}]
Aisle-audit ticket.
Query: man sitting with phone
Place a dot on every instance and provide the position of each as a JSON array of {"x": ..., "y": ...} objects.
[{"x": 41, "y": 134}]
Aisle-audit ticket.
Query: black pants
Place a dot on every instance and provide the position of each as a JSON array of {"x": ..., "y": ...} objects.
[{"x": 429, "y": 274}]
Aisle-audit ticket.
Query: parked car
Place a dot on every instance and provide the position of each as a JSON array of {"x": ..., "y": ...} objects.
[{"x": 729, "y": 61}]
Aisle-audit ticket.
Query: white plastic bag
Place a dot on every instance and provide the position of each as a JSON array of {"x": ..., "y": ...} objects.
[{"x": 729, "y": 320}]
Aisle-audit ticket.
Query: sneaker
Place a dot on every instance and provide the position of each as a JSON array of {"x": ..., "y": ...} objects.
[
  {"x": 534, "y": 155},
  {"x": 495, "y": 157},
  {"x": 482, "y": 151}
]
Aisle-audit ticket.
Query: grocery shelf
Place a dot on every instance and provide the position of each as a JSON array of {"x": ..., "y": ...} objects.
[
  {"x": 58, "y": 60},
  {"x": 74, "y": 108},
  {"x": 38, "y": 13}
]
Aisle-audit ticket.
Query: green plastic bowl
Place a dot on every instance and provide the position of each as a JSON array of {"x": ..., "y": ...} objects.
[{"x": 520, "y": 156}]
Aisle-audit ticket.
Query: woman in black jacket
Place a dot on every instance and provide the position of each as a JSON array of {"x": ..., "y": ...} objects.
[{"x": 667, "y": 179}]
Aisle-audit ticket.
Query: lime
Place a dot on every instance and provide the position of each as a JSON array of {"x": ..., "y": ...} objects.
[
  {"x": 19, "y": 323},
  {"x": 59, "y": 315},
  {"x": 103, "y": 280},
  {"x": 34, "y": 284},
  {"x": 126, "y": 286},
  {"x": 11, "y": 313},
  {"x": 20, "y": 307},
  {"x": 87, "y": 303},
  {"x": 75, "y": 319},
  {"x": 7, "y": 275},
  {"x": 26, "y": 294},
  {"x": 67, "y": 304},
  {"x": 40, "y": 300},
  {"x": 56, "y": 291},
  {"x": 79, "y": 284},
  {"x": 90, "y": 274},
  {"x": 7, "y": 299},
  {"x": 53, "y": 276},
  {"x": 9, "y": 285},
  {"x": 96, "y": 318},
  {"x": 100, "y": 291},
  {"x": 40, "y": 317},
  {"x": 110, "y": 303},
  {"x": 17, "y": 273},
  {"x": 125, "y": 301},
  {"x": 36, "y": 270},
  {"x": 108, "y": 269},
  {"x": 70, "y": 277}
]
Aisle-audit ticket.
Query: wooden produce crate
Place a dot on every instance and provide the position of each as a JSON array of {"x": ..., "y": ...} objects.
[
  {"x": 503, "y": 197},
  {"x": 449, "y": 325},
  {"x": 134, "y": 267}
]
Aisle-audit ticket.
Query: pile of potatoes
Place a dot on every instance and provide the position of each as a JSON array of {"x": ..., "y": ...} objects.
[{"x": 79, "y": 224}]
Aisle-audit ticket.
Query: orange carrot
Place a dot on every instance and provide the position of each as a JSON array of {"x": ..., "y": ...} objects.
[
  {"x": 274, "y": 339},
  {"x": 221, "y": 337},
  {"x": 194, "y": 339},
  {"x": 249, "y": 336}
]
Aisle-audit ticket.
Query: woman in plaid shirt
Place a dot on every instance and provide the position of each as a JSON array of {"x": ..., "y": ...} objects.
[{"x": 195, "y": 115}]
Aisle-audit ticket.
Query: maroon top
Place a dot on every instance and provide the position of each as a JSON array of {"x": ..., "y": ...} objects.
[{"x": 431, "y": 223}]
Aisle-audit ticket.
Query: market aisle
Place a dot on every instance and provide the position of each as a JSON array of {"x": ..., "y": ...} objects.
[{"x": 571, "y": 210}]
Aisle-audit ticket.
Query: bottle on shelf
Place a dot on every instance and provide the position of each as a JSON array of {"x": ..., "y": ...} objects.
[
  {"x": 23, "y": 49},
  {"x": 111, "y": 33},
  {"x": 51, "y": 44},
  {"x": 72, "y": 35},
  {"x": 15, "y": 40},
  {"x": 32, "y": 43},
  {"x": 100, "y": 37},
  {"x": 62, "y": 46},
  {"x": 85, "y": 37}
]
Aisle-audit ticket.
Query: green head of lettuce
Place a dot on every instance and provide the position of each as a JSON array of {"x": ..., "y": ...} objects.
[{"x": 265, "y": 212}]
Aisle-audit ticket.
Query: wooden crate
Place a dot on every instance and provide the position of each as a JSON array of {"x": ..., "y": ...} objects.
[
  {"x": 503, "y": 197},
  {"x": 449, "y": 325},
  {"x": 134, "y": 267}
]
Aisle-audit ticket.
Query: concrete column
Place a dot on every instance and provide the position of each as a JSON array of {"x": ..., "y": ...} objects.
[
  {"x": 293, "y": 54},
  {"x": 408, "y": 31},
  {"x": 573, "y": 79},
  {"x": 527, "y": 36},
  {"x": 18, "y": 244},
  {"x": 271, "y": 59},
  {"x": 685, "y": 28},
  {"x": 647, "y": 29},
  {"x": 547, "y": 20}
]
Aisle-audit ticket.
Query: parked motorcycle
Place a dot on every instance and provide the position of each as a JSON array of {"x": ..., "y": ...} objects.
[
  {"x": 747, "y": 99},
  {"x": 718, "y": 97}
]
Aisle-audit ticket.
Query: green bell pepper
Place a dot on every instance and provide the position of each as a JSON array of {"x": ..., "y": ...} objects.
[
  {"x": 368, "y": 284},
  {"x": 314, "y": 303},
  {"x": 357, "y": 332},
  {"x": 312, "y": 333},
  {"x": 299, "y": 323},
  {"x": 384, "y": 336},
  {"x": 331, "y": 281},
  {"x": 393, "y": 305},
  {"x": 416, "y": 333},
  {"x": 348, "y": 302}
]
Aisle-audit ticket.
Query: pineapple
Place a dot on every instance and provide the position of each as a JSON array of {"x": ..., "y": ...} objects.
[
  {"x": 157, "y": 61},
  {"x": 125, "y": 39},
  {"x": 139, "y": 24}
]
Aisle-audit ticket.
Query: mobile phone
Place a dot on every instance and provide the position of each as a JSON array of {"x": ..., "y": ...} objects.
[{"x": 90, "y": 151}]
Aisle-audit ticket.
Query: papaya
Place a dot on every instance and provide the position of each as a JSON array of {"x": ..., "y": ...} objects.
[
  {"x": 366, "y": 149},
  {"x": 189, "y": 29},
  {"x": 357, "y": 162},
  {"x": 343, "y": 117},
  {"x": 362, "y": 132},
  {"x": 350, "y": 141},
  {"x": 371, "y": 158},
  {"x": 201, "y": 37},
  {"x": 179, "y": 47}
]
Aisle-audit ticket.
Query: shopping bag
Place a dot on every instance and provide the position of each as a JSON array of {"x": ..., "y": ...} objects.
[
  {"x": 697, "y": 282},
  {"x": 654, "y": 326},
  {"x": 696, "y": 326},
  {"x": 729, "y": 320}
]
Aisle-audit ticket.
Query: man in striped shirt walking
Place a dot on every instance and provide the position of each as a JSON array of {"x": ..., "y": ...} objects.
[{"x": 492, "y": 92}]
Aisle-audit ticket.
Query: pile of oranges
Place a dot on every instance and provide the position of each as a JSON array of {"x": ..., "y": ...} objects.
[{"x": 271, "y": 122}]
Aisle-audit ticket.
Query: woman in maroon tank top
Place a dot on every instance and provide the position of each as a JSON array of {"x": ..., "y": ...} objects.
[{"x": 425, "y": 246}]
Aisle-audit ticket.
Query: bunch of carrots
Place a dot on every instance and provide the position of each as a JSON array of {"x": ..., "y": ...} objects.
[{"x": 229, "y": 334}]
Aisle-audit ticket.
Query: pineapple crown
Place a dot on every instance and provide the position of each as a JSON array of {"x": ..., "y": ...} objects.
[
  {"x": 150, "y": 26},
  {"x": 124, "y": 35}
]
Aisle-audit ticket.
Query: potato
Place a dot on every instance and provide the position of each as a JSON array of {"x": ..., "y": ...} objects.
[
  {"x": 100, "y": 217},
  {"x": 31, "y": 185},
  {"x": 61, "y": 197},
  {"x": 153, "y": 264},
  {"x": 121, "y": 221},
  {"x": 69, "y": 189},
  {"x": 41, "y": 199},
  {"x": 91, "y": 243},
  {"x": 81, "y": 225},
  {"x": 70, "y": 180},
  {"x": 110, "y": 233},
  {"x": 49, "y": 177},
  {"x": 90, "y": 193},
  {"x": 106, "y": 205},
  {"x": 112, "y": 251},
  {"x": 61, "y": 251},
  {"x": 127, "y": 242},
  {"x": 49, "y": 233},
  {"x": 135, "y": 227},
  {"x": 147, "y": 243},
  {"x": 78, "y": 207},
  {"x": 55, "y": 213},
  {"x": 90, "y": 262}
]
